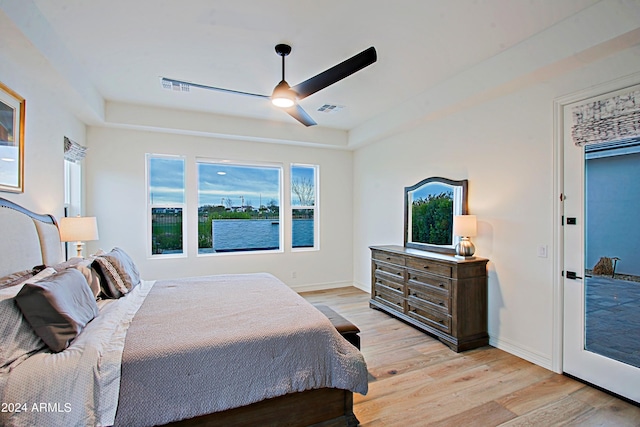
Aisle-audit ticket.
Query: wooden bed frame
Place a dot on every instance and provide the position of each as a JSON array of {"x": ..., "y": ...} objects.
[{"x": 325, "y": 407}]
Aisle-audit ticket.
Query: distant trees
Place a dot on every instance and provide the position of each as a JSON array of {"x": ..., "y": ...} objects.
[
  {"x": 304, "y": 190},
  {"x": 433, "y": 219}
]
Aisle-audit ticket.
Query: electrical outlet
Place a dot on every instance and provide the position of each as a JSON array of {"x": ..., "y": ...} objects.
[{"x": 294, "y": 274}]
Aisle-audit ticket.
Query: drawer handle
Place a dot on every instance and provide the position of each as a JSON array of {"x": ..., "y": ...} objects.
[
  {"x": 442, "y": 285},
  {"x": 426, "y": 267},
  {"x": 388, "y": 258}
]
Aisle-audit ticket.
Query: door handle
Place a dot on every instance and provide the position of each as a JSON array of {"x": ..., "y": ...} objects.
[{"x": 572, "y": 275}]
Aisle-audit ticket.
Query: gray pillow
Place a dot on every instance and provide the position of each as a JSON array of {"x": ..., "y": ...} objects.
[
  {"x": 58, "y": 308},
  {"x": 118, "y": 273}
]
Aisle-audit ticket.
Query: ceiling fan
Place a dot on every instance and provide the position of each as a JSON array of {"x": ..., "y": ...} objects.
[{"x": 287, "y": 97}]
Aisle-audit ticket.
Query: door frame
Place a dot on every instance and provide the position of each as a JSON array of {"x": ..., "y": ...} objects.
[{"x": 558, "y": 184}]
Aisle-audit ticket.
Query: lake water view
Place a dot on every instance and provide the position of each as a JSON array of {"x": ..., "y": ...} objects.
[{"x": 231, "y": 235}]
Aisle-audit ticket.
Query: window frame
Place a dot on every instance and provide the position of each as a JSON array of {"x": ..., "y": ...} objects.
[
  {"x": 315, "y": 207},
  {"x": 243, "y": 163},
  {"x": 151, "y": 206}
]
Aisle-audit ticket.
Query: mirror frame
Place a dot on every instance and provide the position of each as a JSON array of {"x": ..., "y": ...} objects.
[{"x": 463, "y": 209}]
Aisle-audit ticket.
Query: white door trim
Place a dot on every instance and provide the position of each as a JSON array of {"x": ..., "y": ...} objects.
[{"x": 558, "y": 184}]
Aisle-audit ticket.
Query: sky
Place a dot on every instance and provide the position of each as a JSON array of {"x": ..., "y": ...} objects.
[
  {"x": 166, "y": 180},
  {"x": 433, "y": 188},
  {"x": 218, "y": 182},
  {"x": 254, "y": 185}
]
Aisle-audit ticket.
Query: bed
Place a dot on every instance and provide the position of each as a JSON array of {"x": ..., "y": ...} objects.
[{"x": 217, "y": 350}]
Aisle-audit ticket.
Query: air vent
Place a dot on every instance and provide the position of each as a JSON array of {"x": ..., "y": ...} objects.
[
  {"x": 178, "y": 87},
  {"x": 330, "y": 108}
]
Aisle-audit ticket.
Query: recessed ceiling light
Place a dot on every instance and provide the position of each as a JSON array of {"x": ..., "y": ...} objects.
[{"x": 222, "y": 173}]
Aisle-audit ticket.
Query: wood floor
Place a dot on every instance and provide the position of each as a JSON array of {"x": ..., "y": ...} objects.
[{"x": 417, "y": 381}]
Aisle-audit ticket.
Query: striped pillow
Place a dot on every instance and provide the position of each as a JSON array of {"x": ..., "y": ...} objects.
[{"x": 118, "y": 273}]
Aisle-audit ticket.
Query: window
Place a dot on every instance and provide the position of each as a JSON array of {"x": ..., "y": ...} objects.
[
  {"x": 304, "y": 203},
  {"x": 72, "y": 188},
  {"x": 72, "y": 196},
  {"x": 238, "y": 207},
  {"x": 166, "y": 204}
]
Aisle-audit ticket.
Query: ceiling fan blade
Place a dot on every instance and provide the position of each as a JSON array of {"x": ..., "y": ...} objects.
[
  {"x": 171, "y": 83},
  {"x": 336, "y": 73},
  {"x": 300, "y": 115}
]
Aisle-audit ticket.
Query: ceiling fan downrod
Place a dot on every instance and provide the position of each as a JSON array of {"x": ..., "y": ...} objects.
[
  {"x": 283, "y": 50},
  {"x": 283, "y": 96}
]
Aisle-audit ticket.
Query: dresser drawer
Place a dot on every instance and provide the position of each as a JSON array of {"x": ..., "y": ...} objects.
[
  {"x": 390, "y": 270},
  {"x": 389, "y": 297},
  {"x": 387, "y": 257},
  {"x": 429, "y": 296},
  {"x": 389, "y": 281},
  {"x": 438, "y": 282},
  {"x": 429, "y": 266},
  {"x": 434, "y": 318}
]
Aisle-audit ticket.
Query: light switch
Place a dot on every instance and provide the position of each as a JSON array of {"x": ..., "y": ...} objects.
[{"x": 542, "y": 251}]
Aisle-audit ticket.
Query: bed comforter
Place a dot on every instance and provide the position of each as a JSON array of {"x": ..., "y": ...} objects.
[{"x": 198, "y": 346}]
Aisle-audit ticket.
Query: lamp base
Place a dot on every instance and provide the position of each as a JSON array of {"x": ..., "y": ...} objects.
[
  {"x": 465, "y": 249},
  {"x": 79, "y": 246}
]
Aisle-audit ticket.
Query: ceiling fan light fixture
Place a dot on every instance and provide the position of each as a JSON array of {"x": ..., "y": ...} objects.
[
  {"x": 286, "y": 97},
  {"x": 283, "y": 96}
]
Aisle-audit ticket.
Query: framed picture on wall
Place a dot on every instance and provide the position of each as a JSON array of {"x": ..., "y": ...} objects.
[{"x": 12, "y": 108}]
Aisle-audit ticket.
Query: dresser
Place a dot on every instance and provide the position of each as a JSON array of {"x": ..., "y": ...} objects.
[{"x": 437, "y": 293}]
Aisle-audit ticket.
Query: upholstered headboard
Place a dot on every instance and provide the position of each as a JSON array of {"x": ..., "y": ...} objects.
[{"x": 27, "y": 239}]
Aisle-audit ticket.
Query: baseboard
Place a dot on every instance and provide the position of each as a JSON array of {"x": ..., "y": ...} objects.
[
  {"x": 330, "y": 285},
  {"x": 522, "y": 352},
  {"x": 320, "y": 286},
  {"x": 362, "y": 287}
]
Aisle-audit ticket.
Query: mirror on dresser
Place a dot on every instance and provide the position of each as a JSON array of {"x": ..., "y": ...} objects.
[{"x": 429, "y": 207}]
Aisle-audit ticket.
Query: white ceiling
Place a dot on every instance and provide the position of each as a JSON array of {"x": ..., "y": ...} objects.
[{"x": 118, "y": 49}]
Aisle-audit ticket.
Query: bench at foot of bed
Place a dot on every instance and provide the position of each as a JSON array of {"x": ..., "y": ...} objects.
[{"x": 347, "y": 329}]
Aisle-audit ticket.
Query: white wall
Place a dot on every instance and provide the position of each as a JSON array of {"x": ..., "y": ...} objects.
[
  {"x": 504, "y": 147},
  {"x": 116, "y": 194},
  {"x": 47, "y": 122}
]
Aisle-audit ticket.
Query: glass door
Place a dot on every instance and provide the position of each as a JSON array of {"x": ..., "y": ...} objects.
[{"x": 602, "y": 263}]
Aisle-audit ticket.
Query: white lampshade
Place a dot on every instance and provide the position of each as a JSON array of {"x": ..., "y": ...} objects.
[
  {"x": 78, "y": 229},
  {"x": 465, "y": 225}
]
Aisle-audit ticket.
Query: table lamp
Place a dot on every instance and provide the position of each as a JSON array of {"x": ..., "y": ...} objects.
[
  {"x": 465, "y": 226},
  {"x": 78, "y": 229}
]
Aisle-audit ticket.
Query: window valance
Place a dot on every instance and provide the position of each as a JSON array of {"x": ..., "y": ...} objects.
[
  {"x": 611, "y": 119},
  {"x": 73, "y": 151}
]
